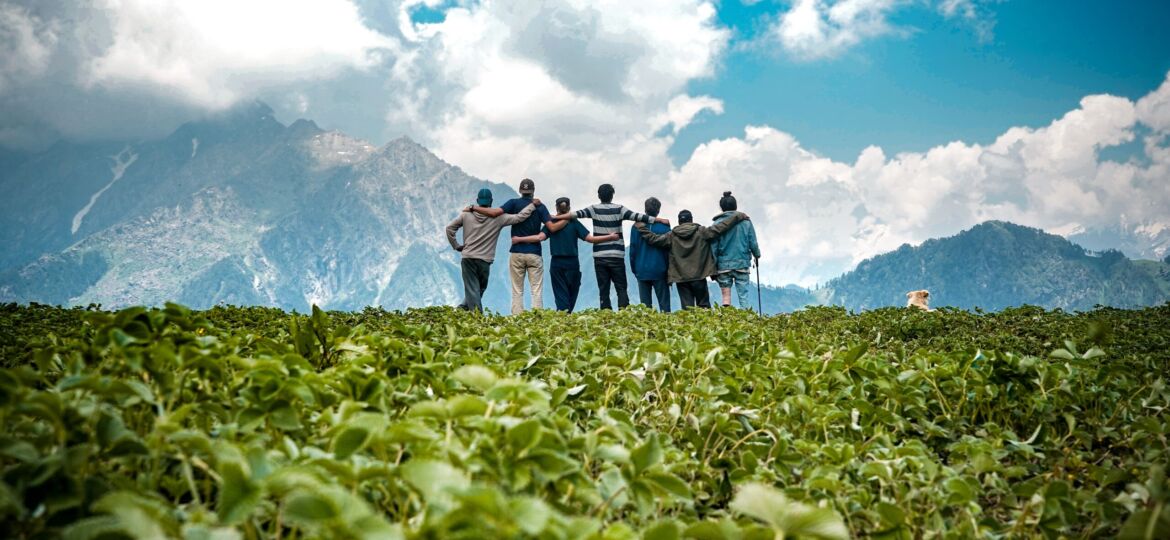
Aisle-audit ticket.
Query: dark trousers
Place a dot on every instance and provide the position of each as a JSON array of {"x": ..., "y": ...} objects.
[
  {"x": 694, "y": 293},
  {"x": 565, "y": 273},
  {"x": 660, "y": 288},
  {"x": 611, "y": 270},
  {"x": 475, "y": 281}
]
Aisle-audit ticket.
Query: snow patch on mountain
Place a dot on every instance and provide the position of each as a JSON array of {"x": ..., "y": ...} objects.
[
  {"x": 121, "y": 163},
  {"x": 194, "y": 146}
]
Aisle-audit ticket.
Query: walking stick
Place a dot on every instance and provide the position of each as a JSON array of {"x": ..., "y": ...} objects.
[{"x": 759, "y": 295}]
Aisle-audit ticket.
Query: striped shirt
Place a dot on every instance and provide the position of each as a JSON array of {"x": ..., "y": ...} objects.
[{"x": 607, "y": 219}]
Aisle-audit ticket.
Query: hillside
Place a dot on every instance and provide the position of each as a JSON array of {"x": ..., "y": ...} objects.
[{"x": 996, "y": 265}]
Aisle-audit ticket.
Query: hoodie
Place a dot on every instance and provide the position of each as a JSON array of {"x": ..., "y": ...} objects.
[
  {"x": 735, "y": 249},
  {"x": 690, "y": 247},
  {"x": 481, "y": 232}
]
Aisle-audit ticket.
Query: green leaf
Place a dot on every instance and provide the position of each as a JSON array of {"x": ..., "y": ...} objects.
[
  {"x": 525, "y": 435},
  {"x": 530, "y": 514},
  {"x": 238, "y": 494},
  {"x": 306, "y": 507},
  {"x": 434, "y": 479},
  {"x": 647, "y": 455},
  {"x": 671, "y": 484},
  {"x": 477, "y": 377},
  {"x": 663, "y": 530},
  {"x": 788, "y": 518},
  {"x": 350, "y": 439}
]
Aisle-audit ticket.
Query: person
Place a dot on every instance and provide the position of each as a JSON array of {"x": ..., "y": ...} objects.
[
  {"x": 478, "y": 249},
  {"x": 609, "y": 258},
  {"x": 564, "y": 269},
  {"x": 691, "y": 261},
  {"x": 526, "y": 257},
  {"x": 649, "y": 262},
  {"x": 734, "y": 252}
]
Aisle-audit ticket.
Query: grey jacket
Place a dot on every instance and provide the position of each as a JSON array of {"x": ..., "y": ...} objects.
[{"x": 481, "y": 232}]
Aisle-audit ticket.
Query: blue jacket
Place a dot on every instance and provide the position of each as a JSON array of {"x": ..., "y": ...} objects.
[
  {"x": 735, "y": 249},
  {"x": 649, "y": 263}
]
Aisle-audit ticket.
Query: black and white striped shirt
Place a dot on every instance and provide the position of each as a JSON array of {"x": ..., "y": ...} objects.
[{"x": 607, "y": 219}]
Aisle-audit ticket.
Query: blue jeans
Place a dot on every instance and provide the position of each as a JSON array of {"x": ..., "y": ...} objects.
[
  {"x": 661, "y": 289},
  {"x": 741, "y": 278}
]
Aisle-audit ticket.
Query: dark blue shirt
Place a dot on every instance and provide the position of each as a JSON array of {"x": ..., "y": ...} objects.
[
  {"x": 527, "y": 227},
  {"x": 564, "y": 242},
  {"x": 648, "y": 262}
]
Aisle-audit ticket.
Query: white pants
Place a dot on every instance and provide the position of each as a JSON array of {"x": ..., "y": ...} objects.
[{"x": 533, "y": 265}]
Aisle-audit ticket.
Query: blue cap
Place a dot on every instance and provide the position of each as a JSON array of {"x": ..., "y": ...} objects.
[{"x": 484, "y": 198}]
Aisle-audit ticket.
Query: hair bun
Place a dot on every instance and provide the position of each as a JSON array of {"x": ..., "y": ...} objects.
[{"x": 726, "y": 193}]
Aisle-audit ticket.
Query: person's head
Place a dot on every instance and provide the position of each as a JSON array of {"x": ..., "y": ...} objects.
[
  {"x": 685, "y": 217},
  {"x": 727, "y": 203},
  {"x": 605, "y": 193},
  {"x": 653, "y": 206},
  {"x": 563, "y": 205},
  {"x": 527, "y": 187},
  {"x": 484, "y": 197}
]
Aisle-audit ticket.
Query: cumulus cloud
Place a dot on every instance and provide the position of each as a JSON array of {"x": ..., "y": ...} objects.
[
  {"x": 212, "y": 52},
  {"x": 815, "y": 29},
  {"x": 820, "y": 217}
]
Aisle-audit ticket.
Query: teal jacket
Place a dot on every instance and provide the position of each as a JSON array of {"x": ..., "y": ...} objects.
[{"x": 735, "y": 249}]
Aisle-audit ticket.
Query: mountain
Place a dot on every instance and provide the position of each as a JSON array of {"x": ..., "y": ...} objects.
[
  {"x": 996, "y": 265},
  {"x": 238, "y": 208},
  {"x": 242, "y": 209}
]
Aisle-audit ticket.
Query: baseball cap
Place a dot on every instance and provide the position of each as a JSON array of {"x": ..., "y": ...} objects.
[
  {"x": 527, "y": 187},
  {"x": 685, "y": 216},
  {"x": 562, "y": 200},
  {"x": 484, "y": 198}
]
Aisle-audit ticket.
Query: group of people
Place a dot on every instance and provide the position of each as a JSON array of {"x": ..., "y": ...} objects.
[{"x": 660, "y": 256}]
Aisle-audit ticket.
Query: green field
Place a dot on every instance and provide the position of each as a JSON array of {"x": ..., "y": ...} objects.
[{"x": 893, "y": 423}]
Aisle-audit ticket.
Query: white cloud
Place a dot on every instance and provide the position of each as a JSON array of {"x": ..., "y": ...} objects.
[
  {"x": 27, "y": 42},
  {"x": 213, "y": 53},
  {"x": 570, "y": 92},
  {"x": 974, "y": 13},
  {"x": 816, "y": 29},
  {"x": 819, "y": 217}
]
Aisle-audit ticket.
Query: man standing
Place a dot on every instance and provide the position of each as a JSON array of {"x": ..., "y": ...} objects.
[
  {"x": 526, "y": 257},
  {"x": 609, "y": 258},
  {"x": 734, "y": 253},
  {"x": 649, "y": 263},
  {"x": 478, "y": 249},
  {"x": 564, "y": 269},
  {"x": 691, "y": 261}
]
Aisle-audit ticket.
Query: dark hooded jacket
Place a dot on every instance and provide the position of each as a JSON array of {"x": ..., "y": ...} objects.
[{"x": 690, "y": 247}]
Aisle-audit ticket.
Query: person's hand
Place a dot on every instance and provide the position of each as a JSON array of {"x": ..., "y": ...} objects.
[
  {"x": 662, "y": 220},
  {"x": 746, "y": 217},
  {"x": 536, "y": 202},
  {"x": 467, "y": 208},
  {"x": 515, "y": 240},
  {"x": 460, "y": 248}
]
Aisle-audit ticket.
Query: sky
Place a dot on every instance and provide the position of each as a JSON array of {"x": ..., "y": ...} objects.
[{"x": 845, "y": 128}]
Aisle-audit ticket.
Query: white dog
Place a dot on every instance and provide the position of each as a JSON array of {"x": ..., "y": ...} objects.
[{"x": 918, "y": 299}]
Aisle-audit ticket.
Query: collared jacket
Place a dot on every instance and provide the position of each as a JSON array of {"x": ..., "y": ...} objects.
[
  {"x": 690, "y": 247},
  {"x": 735, "y": 248}
]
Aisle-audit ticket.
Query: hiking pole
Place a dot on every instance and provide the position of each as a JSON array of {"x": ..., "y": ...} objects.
[{"x": 759, "y": 295}]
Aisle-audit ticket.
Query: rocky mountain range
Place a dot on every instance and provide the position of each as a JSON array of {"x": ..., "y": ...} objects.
[{"x": 242, "y": 209}]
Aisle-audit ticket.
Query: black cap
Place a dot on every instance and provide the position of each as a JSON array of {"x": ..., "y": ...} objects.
[
  {"x": 527, "y": 186},
  {"x": 685, "y": 217},
  {"x": 562, "y": 200}
]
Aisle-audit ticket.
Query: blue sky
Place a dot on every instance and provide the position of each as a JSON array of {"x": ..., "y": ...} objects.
[
  {"x": 940, "y": 81},
  {"x": 846, "y": 127}
]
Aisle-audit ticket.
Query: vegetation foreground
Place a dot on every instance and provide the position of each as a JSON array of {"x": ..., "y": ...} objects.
[{"x": 893, "y": 423}]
